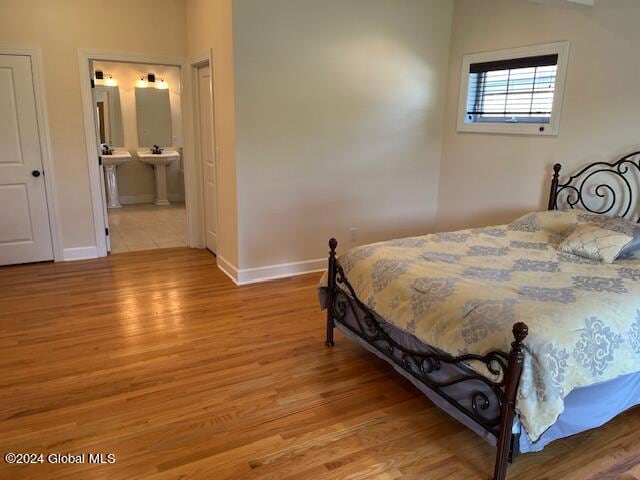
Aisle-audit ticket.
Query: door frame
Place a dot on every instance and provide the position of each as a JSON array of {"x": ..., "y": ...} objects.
[
  {"x": 193, "y": 127},
  {"x": 192, "y": 202},
  {"x": 42, "y": 115}
]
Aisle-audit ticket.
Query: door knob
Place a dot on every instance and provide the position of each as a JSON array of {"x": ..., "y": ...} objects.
[{"x": 35, "y": 173}]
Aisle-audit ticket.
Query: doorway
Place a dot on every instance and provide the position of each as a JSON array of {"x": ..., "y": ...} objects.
[
  {"x": 191, "y": 155},
  {"x": 28, "y": 233},
  {"x": 138, "y": 126}
]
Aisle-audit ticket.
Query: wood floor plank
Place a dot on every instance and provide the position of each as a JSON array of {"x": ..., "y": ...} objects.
[{"x": 159, "y": 358}]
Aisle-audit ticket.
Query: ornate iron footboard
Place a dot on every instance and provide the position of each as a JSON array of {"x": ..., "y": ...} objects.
[{"x": 506, "y": 367}]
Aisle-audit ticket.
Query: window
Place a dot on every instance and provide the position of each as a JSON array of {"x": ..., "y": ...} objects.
[{"x": 514, "y": 91}]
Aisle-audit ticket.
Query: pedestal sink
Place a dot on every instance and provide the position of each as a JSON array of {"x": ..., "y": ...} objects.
[
  {"x": 110, "y": 162},
  {"x": 159, "y": 162}
]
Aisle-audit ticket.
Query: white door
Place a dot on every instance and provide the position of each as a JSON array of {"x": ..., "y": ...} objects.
[
  {"x": 208, "y": 157},
  {"x": 25, "y": 235},
  {"x": 103, "y": 193}
]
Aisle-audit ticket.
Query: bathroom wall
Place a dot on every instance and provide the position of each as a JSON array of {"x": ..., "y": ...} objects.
[
  {"x": 60, "y": 28},
  {"x": 136, "y": 183}
]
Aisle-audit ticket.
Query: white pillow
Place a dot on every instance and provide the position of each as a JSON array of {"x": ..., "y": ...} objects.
[{"x": 591, "y": 241}]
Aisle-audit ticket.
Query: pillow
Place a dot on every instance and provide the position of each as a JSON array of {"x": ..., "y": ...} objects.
[
  {"x": 553, "y": 222},
  {"x": 559, "y": 223},
  {"x": 616, "y": 224},
  {"x": 592, "y": 241},
  {"x": 633, "y": 248}
]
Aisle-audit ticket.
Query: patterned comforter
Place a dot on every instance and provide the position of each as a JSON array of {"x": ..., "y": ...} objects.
[{"x": 462, "y": 291}]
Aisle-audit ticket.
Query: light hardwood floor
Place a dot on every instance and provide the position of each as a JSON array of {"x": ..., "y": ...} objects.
[{"x": 158, "y": 358}]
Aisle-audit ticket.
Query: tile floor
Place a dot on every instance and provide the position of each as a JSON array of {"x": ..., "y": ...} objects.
[{"x": 147, "y": 227}]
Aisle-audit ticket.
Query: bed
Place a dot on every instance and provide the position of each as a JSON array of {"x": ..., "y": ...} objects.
[{"x": 519, "y": 341}]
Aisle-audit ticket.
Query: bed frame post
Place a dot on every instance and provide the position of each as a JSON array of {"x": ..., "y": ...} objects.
[
  {"x": 553, "y": 195},
  {"x": 514, "y": 370},
  {"x": 331, "y": 287}
]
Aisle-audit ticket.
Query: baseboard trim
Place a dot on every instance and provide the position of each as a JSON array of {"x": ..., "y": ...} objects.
[
  {"x": 247, "y": 276},
  {"x": 133, "y": 199},
  {"x": 80, "y": 253},
  {"x": 227, "y": 268}
]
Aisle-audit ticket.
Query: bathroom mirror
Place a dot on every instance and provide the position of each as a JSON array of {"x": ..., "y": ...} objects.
[
  {"x": 153, "y": 112},
  {"x": 109, "y": 114}
]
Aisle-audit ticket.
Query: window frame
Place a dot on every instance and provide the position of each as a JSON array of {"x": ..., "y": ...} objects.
[{"x": 520, "y": 128}]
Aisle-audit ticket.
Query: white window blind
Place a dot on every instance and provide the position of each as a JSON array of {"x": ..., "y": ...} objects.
[{"x": 519, "y": 90}]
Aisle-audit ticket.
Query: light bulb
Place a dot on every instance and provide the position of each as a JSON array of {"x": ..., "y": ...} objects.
[
  {"x": 142, "y": 83},
  {"x": 162, "y": 85},
  {"x": 111, "y": 82}
]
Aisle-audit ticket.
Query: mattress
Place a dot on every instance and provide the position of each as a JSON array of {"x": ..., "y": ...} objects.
[{"x": 461, "y": 292}]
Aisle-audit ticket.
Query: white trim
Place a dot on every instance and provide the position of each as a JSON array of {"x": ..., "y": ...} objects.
[
  {"x": 194, "y": 190},
  {"x": 551, "y": 128},
  {"x": 149, "y": 198},
  {"x": 203, "y": 59},
  {"x": 134, "y": 199},
  {"x": 190, "y": 149},
  {"x": 97, "y": 199},
  {"x": 248, "y": 276},
  {"x": 80, "y": 253},
  {"x": 37, "y": 71},
  {"x": 283, "y": 270},
  {"x": 195, "y": 230},
  {"x": 115, "y": 56},
  {"x": 214, "y": 139},
  {"x": 227, "y": 268}
]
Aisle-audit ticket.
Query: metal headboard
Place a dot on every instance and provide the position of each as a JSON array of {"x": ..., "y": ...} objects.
[{"x": 600, "y": 187}]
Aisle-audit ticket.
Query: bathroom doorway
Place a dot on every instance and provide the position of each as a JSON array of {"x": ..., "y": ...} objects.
[
  {"x": 185, "y": 127},
  {"x": 139, "y": 132}
]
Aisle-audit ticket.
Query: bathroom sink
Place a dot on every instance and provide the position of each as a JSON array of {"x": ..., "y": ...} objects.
[
  {"x": 117, "y": 158},
  {"x": 164, "y": 158},
  {"x": 110, "y": 162},
  {"x": 159, "y": 162}
]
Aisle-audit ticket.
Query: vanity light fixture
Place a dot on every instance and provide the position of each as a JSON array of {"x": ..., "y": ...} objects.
[
  {"x": 99, "y": 77},
  {"x": 110, "y": 81},
  {"x": 142, "y": 83},
  {"x": 162, "y": 85}
]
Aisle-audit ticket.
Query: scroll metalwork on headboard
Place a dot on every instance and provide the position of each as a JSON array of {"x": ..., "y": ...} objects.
[{"x": 601, "y": 187}]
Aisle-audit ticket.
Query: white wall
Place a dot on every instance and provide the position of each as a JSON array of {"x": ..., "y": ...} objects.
[
  {"x": 59, "y": 28},
  {"x": 339, "y": 113},
  {"x": 136, "y": 179},
  {"x": 339, "y": 109},
  {"x": 209, "y": 26},
  {"x": 487, "y": 178}
]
